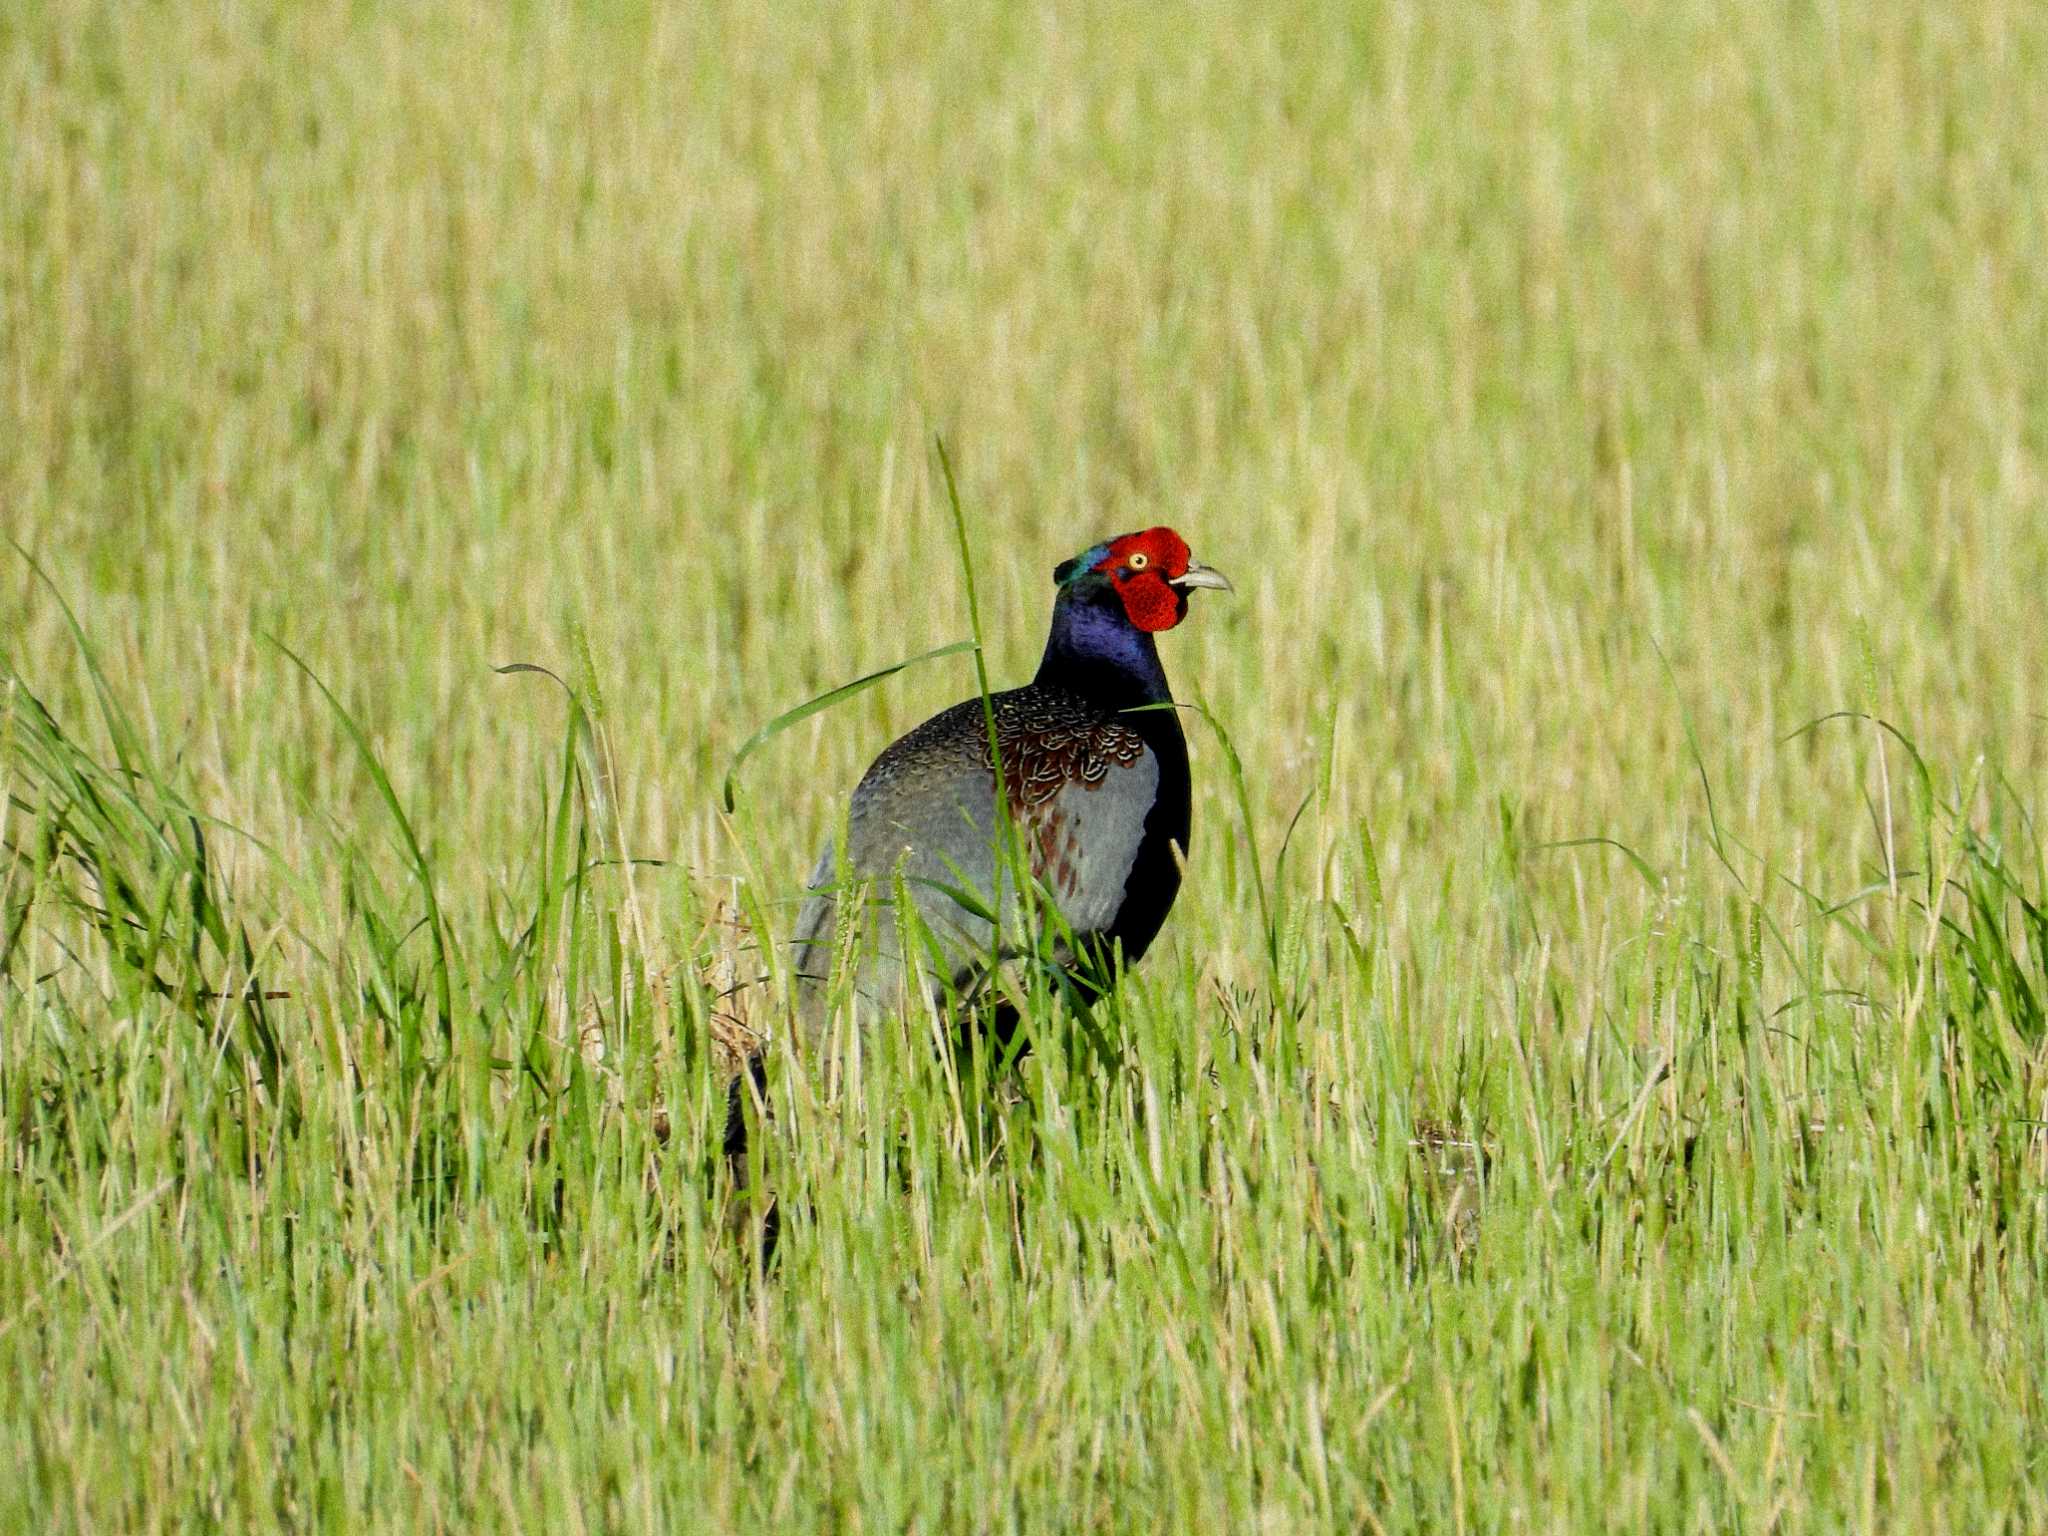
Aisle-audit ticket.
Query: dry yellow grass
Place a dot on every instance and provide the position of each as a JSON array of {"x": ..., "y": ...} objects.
[{"x": 1583, "y": 400}]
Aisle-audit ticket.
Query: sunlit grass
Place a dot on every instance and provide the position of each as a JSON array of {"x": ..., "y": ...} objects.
[{"x": 1621, "y": 1106}]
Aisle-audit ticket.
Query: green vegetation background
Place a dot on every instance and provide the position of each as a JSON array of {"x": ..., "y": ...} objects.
[{"x": 1584, "y": 398}]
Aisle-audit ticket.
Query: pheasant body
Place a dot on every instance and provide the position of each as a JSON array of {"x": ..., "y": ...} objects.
[{"x": 1095, "y": 772}]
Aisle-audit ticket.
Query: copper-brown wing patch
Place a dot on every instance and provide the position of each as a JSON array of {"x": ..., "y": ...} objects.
[{"x": 1044, "y": 751}]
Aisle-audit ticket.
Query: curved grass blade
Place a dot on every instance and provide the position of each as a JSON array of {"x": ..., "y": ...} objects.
[
  {"x": 437, "y": 926},
  {"x": 1640, "y": 864},
  {"x": 1287, "y": 838},
  {"x": 127, "y": 741},
  {"x": 825, "y": 700},
  {"x": 1920, "y": 768},
  {"x": 598, "y": 798},
  {"x": 1011, "y": 857}
]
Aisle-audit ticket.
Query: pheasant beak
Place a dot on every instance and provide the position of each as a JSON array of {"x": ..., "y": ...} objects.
[{"x": 1200, "y": 575}]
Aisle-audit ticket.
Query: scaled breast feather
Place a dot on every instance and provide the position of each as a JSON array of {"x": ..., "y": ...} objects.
[{"x": 1049, "y": 743}]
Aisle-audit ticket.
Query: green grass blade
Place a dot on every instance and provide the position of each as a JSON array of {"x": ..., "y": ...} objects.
[
  {"x": 825, "y": 700},
  {"x": 422, "y": 868}
]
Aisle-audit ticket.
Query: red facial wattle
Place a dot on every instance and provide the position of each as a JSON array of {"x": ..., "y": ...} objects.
[
  {"x": 1150, "y": 603},
  {"x": 1142, "y": 567}
]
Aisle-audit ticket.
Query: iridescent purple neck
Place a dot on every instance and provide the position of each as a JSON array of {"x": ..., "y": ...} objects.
[{"x": 1096, "y": 651}]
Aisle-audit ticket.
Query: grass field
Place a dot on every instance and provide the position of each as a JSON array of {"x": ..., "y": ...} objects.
[{"x": 1584, "y": 397}]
